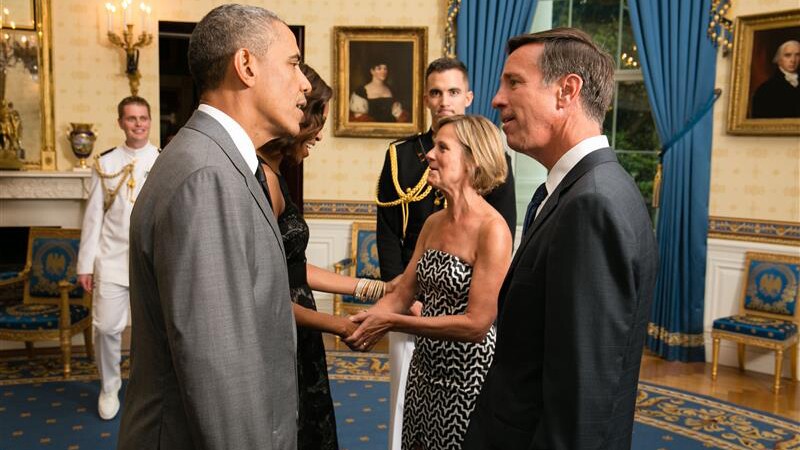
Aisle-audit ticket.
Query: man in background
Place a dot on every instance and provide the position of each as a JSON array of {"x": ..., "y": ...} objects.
[
  {"x": 779, "y": 96},
  {"x": 118, "y": 175}
]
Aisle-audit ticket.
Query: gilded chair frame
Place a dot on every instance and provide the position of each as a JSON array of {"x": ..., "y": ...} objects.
[
  {"x": 742, "y": 340},
  {"x": 63, "y": 334},
  {"x": 340, "y": 307}
]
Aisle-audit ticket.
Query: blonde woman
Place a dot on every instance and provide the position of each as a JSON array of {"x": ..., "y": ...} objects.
[{"x": 458, "y": 266}]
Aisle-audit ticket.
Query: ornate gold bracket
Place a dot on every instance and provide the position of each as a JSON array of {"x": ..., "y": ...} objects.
[{"x": 126, "y": 41}]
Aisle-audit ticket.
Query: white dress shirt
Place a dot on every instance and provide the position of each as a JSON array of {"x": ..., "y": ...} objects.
[
  {"x": 104, "y": 234},
  {"x": 569, "y": 160},
  {"x": 240, "y": 137}
]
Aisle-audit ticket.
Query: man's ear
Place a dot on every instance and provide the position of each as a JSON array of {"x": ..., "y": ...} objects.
[
  {"x": 570, "y": 89},
  {"x": 470, "y": 96},
  {"x": 244, "y": 66}
]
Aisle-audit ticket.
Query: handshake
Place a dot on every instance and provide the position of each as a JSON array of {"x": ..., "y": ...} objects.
[{"x": 363, "y": 330}]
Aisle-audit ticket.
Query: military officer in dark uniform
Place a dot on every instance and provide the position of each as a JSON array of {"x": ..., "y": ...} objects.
[{"x": 405, "y": 201}]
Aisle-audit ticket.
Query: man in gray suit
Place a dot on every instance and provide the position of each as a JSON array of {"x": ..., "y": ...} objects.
[
  {"x": 213, "y": 341},
  {"x": 572, "y": 312}
]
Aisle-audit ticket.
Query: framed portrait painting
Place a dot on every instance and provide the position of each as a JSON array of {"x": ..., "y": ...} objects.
[
  {"x": 379, "y": 81},
  {"x": 765, "y": 93}
]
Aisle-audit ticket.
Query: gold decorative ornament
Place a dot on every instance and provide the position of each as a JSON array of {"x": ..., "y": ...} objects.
[
  {"x": 124, "y": 174},
  {"x": 10, "y": 134},
  {"x": 450, "y": 28},
  {"x": 126, "y": 40},
  {"x": 81, "y": 138},
  {"x": 720, "y": 28},
  {"x": 415, "y": 194}
]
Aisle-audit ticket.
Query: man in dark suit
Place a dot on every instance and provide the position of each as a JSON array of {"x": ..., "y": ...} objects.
[
  {"x": 402, "y": 214},
  {"x": 573, "y": 309},
  {"x": 779, "y": 96},
  {"x": 214, "y": 346}
]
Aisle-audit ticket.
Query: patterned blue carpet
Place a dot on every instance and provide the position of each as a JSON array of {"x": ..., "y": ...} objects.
[{"x": 39, "y": 410}]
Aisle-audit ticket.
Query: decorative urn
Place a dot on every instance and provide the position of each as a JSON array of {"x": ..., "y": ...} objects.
[{"x": 81, "y": 139}]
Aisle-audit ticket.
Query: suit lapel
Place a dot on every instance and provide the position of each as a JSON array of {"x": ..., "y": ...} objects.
[
  {"x": 589, "y": 162},
  {"x": 203, "y": 123}
]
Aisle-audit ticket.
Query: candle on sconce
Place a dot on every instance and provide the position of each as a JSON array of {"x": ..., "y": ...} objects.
[
  {"x": 147, "y": 22},
  {"x": 110, "y": 9},
  {"x": 143, "y": 8},
  {"x": 125, "y": 15}
]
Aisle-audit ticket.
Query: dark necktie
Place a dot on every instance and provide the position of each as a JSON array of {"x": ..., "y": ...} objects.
[
  {"x": 262, "y": 180},
  {"x": 536, "y": 200}
]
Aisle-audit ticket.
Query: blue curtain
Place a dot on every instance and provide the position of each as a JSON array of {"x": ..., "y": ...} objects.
[
  {"x": 483, "y": 28},
  {"x": 679, "y": 63}
]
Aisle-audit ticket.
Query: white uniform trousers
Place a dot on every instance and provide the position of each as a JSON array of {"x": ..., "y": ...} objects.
[
  {"x": 109, "y": 317},
  {"x": 401, "y": 349}
]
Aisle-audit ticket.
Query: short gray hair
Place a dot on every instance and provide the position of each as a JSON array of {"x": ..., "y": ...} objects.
[
  {"x": 570, "y": 50},
  {"x": 781, "y": 47},
  {"x": 220, "y": 33}
]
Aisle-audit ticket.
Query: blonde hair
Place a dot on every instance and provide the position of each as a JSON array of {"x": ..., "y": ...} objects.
[{"x": 483, "y": 150}]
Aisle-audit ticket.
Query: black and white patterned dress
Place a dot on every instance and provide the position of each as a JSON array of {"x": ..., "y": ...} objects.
[{"x": 445, "y": 377}]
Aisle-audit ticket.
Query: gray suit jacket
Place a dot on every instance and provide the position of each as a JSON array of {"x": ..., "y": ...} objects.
[{"x": 213, "y": 350}]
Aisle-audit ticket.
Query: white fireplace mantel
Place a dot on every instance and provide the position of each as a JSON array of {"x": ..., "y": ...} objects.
[
  {"x": 33, "y": 185},
  {"x": 40, "y": 198}
]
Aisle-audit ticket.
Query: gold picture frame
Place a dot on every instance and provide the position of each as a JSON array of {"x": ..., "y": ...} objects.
[
  {"x": 379, "y": 81},
  {"x": 752, "y": 109}
]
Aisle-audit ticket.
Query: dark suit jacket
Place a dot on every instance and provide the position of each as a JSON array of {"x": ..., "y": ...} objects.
[
  {"x": 213, "y": 351},
  {"x": 573, "y": 312},
  {"x": 394, "y": 251},
  {"x": 776, "y": 98}
]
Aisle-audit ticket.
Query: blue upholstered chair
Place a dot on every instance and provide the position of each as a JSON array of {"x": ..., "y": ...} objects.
[
  {"x": 768, "y": 312},
  {"x": 362, "y": 263},
  {"x": 52, "y": 306}
]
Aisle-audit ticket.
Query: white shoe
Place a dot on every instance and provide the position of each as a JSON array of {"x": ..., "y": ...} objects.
[{"x": 108, "y": 404}]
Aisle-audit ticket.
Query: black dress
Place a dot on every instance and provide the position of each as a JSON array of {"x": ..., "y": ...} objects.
[
  {"x": 380, "y": 109},
  {"x": 316, "y": 425}
]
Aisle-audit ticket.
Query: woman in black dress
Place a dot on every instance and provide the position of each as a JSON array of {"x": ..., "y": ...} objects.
[
  {"x": 374, "y": 102},
  {"x": 316, "y": 422}
]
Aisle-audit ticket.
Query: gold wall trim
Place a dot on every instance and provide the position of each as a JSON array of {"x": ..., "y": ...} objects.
[
  {"x": 675, "y": 339},
  {"x": 772, "y": 232},
  {"x": 339, "y": 209}
]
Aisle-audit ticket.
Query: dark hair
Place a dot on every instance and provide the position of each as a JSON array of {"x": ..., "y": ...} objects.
[
  {"x": 220, "y": 33},
  {"x": 570, "y": 50},
  {"x": 132, "y": 100},
  {"x": 313, "y": 119},
  {"x": 444, "y": 64}
]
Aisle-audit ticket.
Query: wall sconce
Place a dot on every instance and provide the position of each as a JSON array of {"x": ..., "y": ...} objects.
[{"x": 126, "y": 41}]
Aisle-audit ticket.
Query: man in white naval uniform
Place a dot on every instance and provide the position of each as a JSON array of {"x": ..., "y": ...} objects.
[{"x": 117, "y": 177}]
